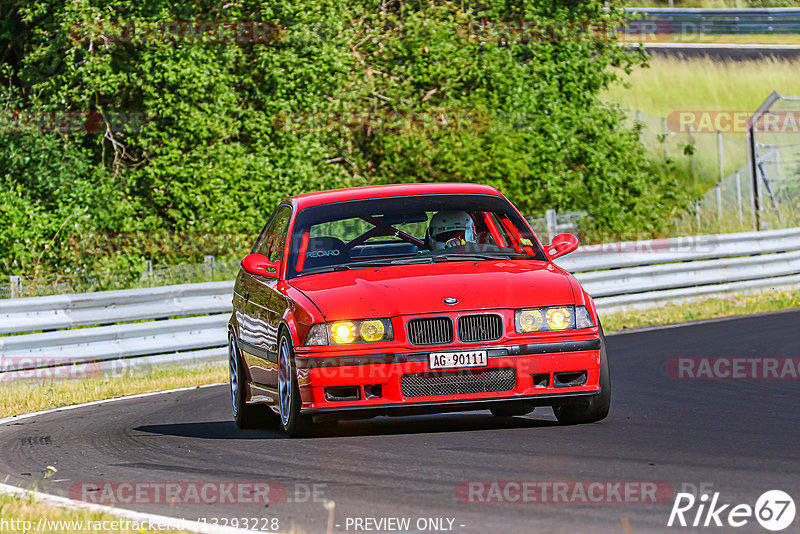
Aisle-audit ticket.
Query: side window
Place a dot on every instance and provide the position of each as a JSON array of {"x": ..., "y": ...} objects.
[{"x": 272, "y": 240}]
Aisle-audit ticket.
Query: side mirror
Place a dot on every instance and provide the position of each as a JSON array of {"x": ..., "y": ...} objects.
[
  {"x": 562, "y": 244},
  {"x": 259, "y": 265}
]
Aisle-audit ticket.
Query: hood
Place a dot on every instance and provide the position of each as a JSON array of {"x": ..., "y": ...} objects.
[{"x": 414, "y": 289}]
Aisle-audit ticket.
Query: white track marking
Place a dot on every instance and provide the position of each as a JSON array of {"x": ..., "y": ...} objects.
[
  {"x": 172, "y": 523},
  {"x": 63, "y": 502},
  {"x": 19, "y": 417}
]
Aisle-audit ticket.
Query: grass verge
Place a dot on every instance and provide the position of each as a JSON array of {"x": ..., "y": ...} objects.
[
  {"x": 726, "y": 4},
  {"x": 697, "y": 84},
  {"x": 24, "y": 515},
  {"x": 23, "y": 396},
  {"x": 722, "y": 38},
  {"x": 705, "y": 308}
]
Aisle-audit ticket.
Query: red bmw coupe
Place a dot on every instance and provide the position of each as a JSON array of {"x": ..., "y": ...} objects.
[{"x": 410, "y": 299}]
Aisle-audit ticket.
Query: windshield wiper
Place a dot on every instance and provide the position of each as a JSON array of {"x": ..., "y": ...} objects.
[
  {"x": 366, "y": 264},
  {"x": 470, "y": 257},
  {"x": 330, "y": 268},
  {"x": 407, "y": 261}
]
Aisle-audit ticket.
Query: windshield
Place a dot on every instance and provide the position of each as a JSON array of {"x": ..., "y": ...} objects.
[{"x": 404, "y": 230}]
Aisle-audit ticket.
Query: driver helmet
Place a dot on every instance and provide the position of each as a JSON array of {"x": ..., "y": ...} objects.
[{"x": 450, "y": 229}]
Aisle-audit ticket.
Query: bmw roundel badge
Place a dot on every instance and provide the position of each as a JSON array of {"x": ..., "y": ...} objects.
[{"x": 450, "y": 300}]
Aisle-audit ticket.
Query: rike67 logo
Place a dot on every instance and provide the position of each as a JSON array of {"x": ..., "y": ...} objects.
[{"x": 774, "y": 510}]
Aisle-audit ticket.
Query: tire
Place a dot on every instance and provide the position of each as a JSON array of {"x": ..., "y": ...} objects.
[
  {"x": 245, "y": 415},
  {"x": 518, "y": 408},
  {"x": 293, "y": 422},
  {"x": 598, "y": 406}
]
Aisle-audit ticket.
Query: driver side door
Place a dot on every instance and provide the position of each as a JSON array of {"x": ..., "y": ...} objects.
[{"x": 258, "y": 330}]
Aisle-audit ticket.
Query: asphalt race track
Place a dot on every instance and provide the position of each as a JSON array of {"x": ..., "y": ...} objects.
[{"x": 740, "y": 437}]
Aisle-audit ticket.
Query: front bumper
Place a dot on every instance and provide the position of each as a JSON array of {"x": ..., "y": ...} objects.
[{"x": 383, "y": 371}]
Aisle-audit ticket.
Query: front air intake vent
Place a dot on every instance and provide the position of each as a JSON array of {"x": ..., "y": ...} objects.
[{"x": 461, "y": 382}]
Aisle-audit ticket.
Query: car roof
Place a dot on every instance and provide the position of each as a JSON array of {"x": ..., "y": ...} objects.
[{"x": 395, "y": 190}]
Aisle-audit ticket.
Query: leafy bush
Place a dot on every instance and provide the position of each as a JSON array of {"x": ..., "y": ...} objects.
[{"x": 205, "y": 137}]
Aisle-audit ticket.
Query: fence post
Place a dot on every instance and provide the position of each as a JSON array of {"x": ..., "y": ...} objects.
[
  {"x": 209, "y": 264},
  {"x": 752, "y": 154},
  {"x": 16, "y": 286},
  {"x": 639, "y": 123},
  {"x": 739, "y": 197},
  {"x": 552, "y": 224},
  {"x": 697, "y": 214},
  {"x": 719, "y": 201},
  {"x": 721, "y": 157}
]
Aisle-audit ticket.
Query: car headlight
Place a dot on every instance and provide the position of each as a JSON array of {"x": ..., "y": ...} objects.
[
  {"x": 343, "y": 332},
  {"x": 346, "y": 332},
  {"x": 551, "y": 318}
]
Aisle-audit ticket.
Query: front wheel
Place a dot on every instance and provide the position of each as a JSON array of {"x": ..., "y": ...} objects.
[
  {"x": 293, "y": 422},
  {"x": 598, "y": 406},
  {"x": 245, "y": 415}
]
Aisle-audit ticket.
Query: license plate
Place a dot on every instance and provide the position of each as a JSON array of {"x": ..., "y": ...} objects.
[{"x": 453, "y": 360}]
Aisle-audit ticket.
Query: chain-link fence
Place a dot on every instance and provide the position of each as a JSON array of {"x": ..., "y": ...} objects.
[
  {"x": 772, "y": 164},
  {"x": 553, "y": 222},
  {"x": 154, "y": 275},
  {"x": 775, "y": 161}
]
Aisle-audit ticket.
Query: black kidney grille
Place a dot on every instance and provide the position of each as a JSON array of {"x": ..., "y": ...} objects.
[
  {"x": 483, "y": 327},
  {"x": 430, "y": 331},
  {"x": 460, "y": 382}
]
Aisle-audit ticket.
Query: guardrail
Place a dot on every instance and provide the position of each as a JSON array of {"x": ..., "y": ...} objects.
[
  {"x": 119, "y": 343},
  {"x": 779, "y": 20},
  {"x": 618, "y": 275},
  {"x": 645, "y": 273}
]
